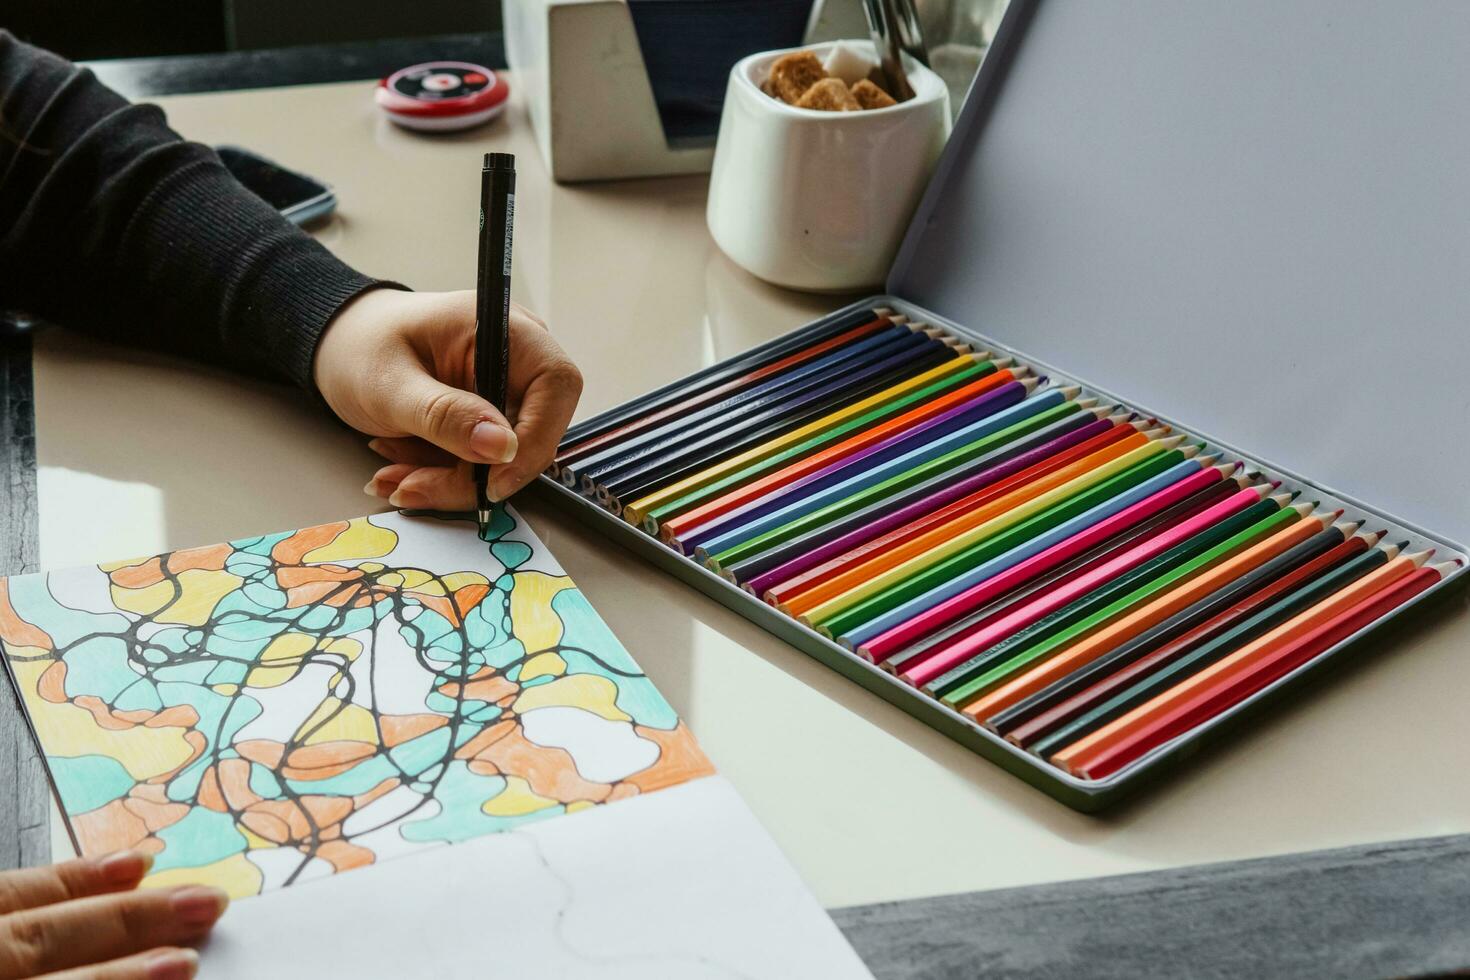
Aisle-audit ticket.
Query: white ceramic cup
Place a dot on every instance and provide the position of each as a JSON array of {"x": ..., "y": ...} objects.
[{"x": 820, "y": 200}]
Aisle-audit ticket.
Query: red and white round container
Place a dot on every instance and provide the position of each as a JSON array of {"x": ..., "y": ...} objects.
[{"x": 441, "y": 96}]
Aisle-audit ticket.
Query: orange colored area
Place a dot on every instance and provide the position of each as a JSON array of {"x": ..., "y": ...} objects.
[
  {"x": 679, "y": 759},
  {"x": 1094, "y": 645},
  {"x": 326, "y": 759},
  {"x": 286, "y": 821},
  {"x": 290, "y": 551},
  {"x": 550, "y": 772},
  {"x": 397, "y": 729},
  {"x": 109, "y": 828},
  {"x": 16, "y": 631},
  {"x": 1079, "y": 755}
]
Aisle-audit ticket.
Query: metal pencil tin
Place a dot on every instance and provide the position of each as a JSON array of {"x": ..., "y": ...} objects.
[
  {"x": 1162, "y": 194},
  {"x": 1080, "y": 794}
]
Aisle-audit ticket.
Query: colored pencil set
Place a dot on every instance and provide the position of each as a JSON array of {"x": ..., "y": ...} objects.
[{"x": 1087, "y": 584}]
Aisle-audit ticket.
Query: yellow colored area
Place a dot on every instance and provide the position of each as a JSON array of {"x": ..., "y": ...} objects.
[
  {"x": 362, "y": 539},
  {"x": 253, "y": 840},
  {"x": 72, "y": 731},
  {"x": 392, "y": 580},
  {"x": 580, "y": 805},
  {"x": 113, "y": 566},
  {"x": 371, "y": 566},
  {"x": 228, "y": 690},
  {"x": 198, "y": 590},
  {"x": 516, "y": 800},
  {"x": 235, "y": 874},
  {"x": 590, "y": 692},
  {"x": 541, "y": 665},
  {"x": 455, "y": 581},
  {"x": 534, "y": 622},
  {"x": 282, "y": 659},
  {"x": 353, "y": 723}
]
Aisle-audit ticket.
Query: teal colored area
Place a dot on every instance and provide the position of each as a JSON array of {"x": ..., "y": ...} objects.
[
  {"x": 99, "y": 667},
  {"x": 637, "y": 696},
  {"x": 202, "y": 837},
  {"x": 88, "y": 781},
  {"x": 585, "y": 629},
  {"x": 228, "y": 673},
  {"x": 418, "y": 754},
  {"x": 460, "y": 795},
  {"x": 33, "y": 603},
  {"x": 141, "y": 695},
  {"x": 511, "y": 554},
  {"x": 263, "y": 782},
  {"x": 220, "y": 718},
  {"x": 262, "y": 545}
]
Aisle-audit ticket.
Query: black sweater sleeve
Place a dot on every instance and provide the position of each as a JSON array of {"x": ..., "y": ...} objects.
[{"x": 112, "y": 224}]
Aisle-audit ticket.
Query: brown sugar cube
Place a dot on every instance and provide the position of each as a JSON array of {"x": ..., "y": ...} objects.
[
  {"x": 830, "y": 95},
  {"x": 792, "y": 74},
  {"x": 870, "y": 96},
  {"x": 768, "y": 88}
]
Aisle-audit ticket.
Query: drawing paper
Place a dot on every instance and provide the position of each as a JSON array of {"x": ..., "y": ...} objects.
[{"x": 299, "y": 704}]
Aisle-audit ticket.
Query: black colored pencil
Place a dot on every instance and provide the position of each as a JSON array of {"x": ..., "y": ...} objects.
[
  {"x": 1079, "y": 609},
  {"x": 652, "y": 474},
  {"x": 747, "y": 403},
  {"x": 718, "y": 373},
  {"x": 1201, "y": 657},
  {"x": 1170, "y": 628}
]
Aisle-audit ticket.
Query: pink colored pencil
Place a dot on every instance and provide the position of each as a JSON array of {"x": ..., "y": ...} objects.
[
  {"x": 942, "y": 659},
  {"x": 889, "y": 642}
]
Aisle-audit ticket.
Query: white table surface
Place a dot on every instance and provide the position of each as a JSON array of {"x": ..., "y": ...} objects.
[{"x": 141, "y": 454}]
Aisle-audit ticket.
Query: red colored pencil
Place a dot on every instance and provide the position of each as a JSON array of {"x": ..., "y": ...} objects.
[
  {"x": 784, "y": 591},
  {"x": 1206, "y": 700},
  {"x": 673, "y": 527},
  {"x": 941, "y": 660},
  {"x": 1064, "y": 711},
  {"x": 889, "y": 642}
]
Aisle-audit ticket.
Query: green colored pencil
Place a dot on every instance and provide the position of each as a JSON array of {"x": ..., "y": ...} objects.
[
  {"x": 892, "y": 485},
  {"x": 988, "y": 679},
  {"x": 982, "y": 551},
  {"x": 675, "y": 507}
]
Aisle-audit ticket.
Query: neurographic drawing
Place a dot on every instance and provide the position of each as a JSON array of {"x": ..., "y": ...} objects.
[{"x": 274, "y": 709}]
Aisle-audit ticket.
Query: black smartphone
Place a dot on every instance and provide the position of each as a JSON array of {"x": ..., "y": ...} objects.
[{"x": 299, "y": 198}]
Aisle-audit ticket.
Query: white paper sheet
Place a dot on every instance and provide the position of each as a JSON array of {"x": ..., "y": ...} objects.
[{"x": 679, "y": 883}]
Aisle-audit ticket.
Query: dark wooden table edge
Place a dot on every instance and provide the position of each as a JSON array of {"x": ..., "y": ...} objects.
[{"x": 1390, "y": 909}]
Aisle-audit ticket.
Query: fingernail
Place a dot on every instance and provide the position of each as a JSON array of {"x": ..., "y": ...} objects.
[
  {"x": 493, "y": 442},
  {"x": 496, "y": 491},
  {"x": 408, "y": 500},
  {"x": 172, "y": 964},
  {"x": 198, "y": 905},
  {"x": 124, "y": 867},
  {"x": 379, "y": 488}
]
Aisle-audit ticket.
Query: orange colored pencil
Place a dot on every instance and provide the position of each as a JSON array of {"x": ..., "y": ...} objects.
[
  {"x": 881, "y": 562},
  {"x": 1205, "y": 702},
  {"x": 1094, "y": 645},
  {"x": 1078, "y": 756},
  {"x": 715, "y": 506}
]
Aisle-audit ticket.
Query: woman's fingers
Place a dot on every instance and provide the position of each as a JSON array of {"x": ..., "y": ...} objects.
[
  {"x": 104, "y": 927},
  {"x": 34, "y": 887},
  {"x": 164, "y": 963},
  {"x": 547, "y": 385},
  {"x": 410, "y": 450},
  {"x": 435, "y": 488}
]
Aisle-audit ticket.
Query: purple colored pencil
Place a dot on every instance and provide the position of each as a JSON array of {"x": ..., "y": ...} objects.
[
  {"x": 909, "y": 440},
  {"x": 914, "y": 509}
]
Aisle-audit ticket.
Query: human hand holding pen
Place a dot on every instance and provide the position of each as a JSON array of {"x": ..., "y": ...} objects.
[{"x": 400, "y": 366}]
